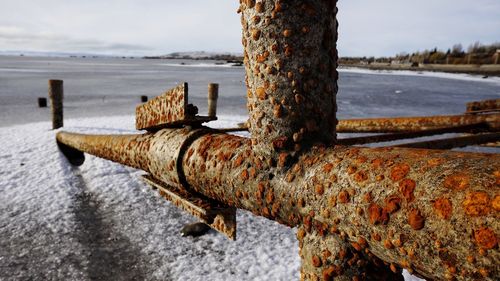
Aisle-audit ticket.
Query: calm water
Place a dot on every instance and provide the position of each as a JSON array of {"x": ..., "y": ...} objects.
[{"x": 96, "y": 87}]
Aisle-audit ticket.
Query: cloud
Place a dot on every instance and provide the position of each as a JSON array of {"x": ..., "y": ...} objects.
[{"x": 16, "y": 38}]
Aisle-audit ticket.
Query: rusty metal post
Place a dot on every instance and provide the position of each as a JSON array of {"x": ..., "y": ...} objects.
[
  {"x": 290, "y": 60},
  {"x": 56, "y": 101},
  {"x": 213, "y": 95}
]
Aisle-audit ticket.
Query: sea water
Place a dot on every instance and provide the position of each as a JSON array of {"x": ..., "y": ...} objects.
[{"x": 113, "y": 86}]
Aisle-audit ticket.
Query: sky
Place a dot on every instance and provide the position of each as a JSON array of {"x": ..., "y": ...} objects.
[{"x": 156, "y": 27}]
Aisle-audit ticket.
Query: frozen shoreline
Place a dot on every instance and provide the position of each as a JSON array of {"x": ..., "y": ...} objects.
[{"x": 444, "y": 75}]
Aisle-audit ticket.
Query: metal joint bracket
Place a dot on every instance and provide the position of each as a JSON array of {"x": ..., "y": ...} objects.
[{"x": 169, "y": 110}]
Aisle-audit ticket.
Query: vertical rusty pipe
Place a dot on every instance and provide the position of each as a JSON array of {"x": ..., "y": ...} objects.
[
  {"x": 290, "y": 60},
  {"x": 56, "y": 101},
  {"x": 213, "y": 95}
]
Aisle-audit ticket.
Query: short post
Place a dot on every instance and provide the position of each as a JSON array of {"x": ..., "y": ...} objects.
[
  {"x": 213, "y": 94},
  {"x": 56, "y": 99},
  {"x": 42, "y": 102},
  {"x": 144, "y": 98}
]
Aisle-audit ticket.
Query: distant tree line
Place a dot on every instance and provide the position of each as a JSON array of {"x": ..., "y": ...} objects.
[{"x": 476, "y": 53}]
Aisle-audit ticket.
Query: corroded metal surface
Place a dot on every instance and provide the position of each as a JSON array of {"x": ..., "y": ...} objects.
[
  {"x": 399, "y": 136},
  {"x": 217, "y": 216},
  {"x": 375, "y": 192},
  {"x": 483, "y": 106},
  {"x": 290, "y": 60},
  {"x": 412, "y": 124},
  {"x": 168, "y": 110},
  {"x": 385, "y": 203},
  {"x": 450, "y": 143},
  {"x": 432, "y": 212}
]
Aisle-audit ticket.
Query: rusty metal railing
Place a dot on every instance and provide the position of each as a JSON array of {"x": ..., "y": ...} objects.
[{"x": 361, "y": 213}]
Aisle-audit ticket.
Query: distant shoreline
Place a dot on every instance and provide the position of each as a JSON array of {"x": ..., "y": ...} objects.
[{"x": 484, "y": 70}]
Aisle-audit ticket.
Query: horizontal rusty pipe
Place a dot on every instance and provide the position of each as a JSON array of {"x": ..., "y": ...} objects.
[
  {"x": 399, "y": 136},
  {"x": 432, "y": 212},
  {"x": 483, "y": 105},
  {"x": 413, "y": 124},
  {"x": 455, "y": 142}
]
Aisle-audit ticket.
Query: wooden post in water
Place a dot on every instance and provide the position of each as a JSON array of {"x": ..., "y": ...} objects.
[
  {"x": 42, "y": 102},
  {"x": 56, "y": 100},
  {"x": 213, "y": 95}
]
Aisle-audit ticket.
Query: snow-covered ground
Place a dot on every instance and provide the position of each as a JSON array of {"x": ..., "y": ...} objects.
[{"x": 101, "y": 222}]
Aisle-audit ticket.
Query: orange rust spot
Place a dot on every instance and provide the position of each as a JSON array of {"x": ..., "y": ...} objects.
[
  {"x": 495, "y": 203},
  {"x": 360, "y": 176},
  {"x": 269, "y": 197},
  {"x": 343, "y": 197},
  {"x": 327, "y": 167},
  {"x": 316, "y": 261},
  {"x": 399, "y": 171},
  {"x": 332, "y": 201},
  {"x": 393, "y": 268},
  {"x": 279, "y": 142},
  {"x": 392, "y": 204},
  {"x": 377, "y": 163},
  {"x": 333, "y": 178},
  {"x": 388, "y": 244},
  {"x": 457, "y": 181},
  {"x": 326, "y": 254},
  {"x": 237, "y": 162},
  {"x": 476, "y": 203},
  {"x": 356, "y": 246},
  {"x": 406, "y": 187},
  {"x": 375, "y": 236},
  {"x": 265, "y": 212},
  {"x": 252, "y": 172},
  {"x": 362, "y": 242},
  {"x": 435, "y": 162},
  {"x": 361, "y": 159},
  {"x": 377, "y": 215},
  {"x": 351, "y": 170},
  {"x": 244, "y": 175},
  {"x": 485, "y": 238},
  {"x": 282, "y": 158},
  {"x": 367, "y": 197},
  {"x": 319, "y": 189},
  {"x": 300, "y": 234},
  {"x": 416, "y": 220},
  {"x": 443, "y": 208},
  {"x": 261, "y": 93}
]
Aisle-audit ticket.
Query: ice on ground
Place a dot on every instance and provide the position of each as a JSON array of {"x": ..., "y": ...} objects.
[
  {"x": 101, "y": 222},
  {"x": 444, "y": 75}
]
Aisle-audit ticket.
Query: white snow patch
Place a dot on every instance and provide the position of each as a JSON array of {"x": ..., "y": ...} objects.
[{"x": 44, "y": 233}]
